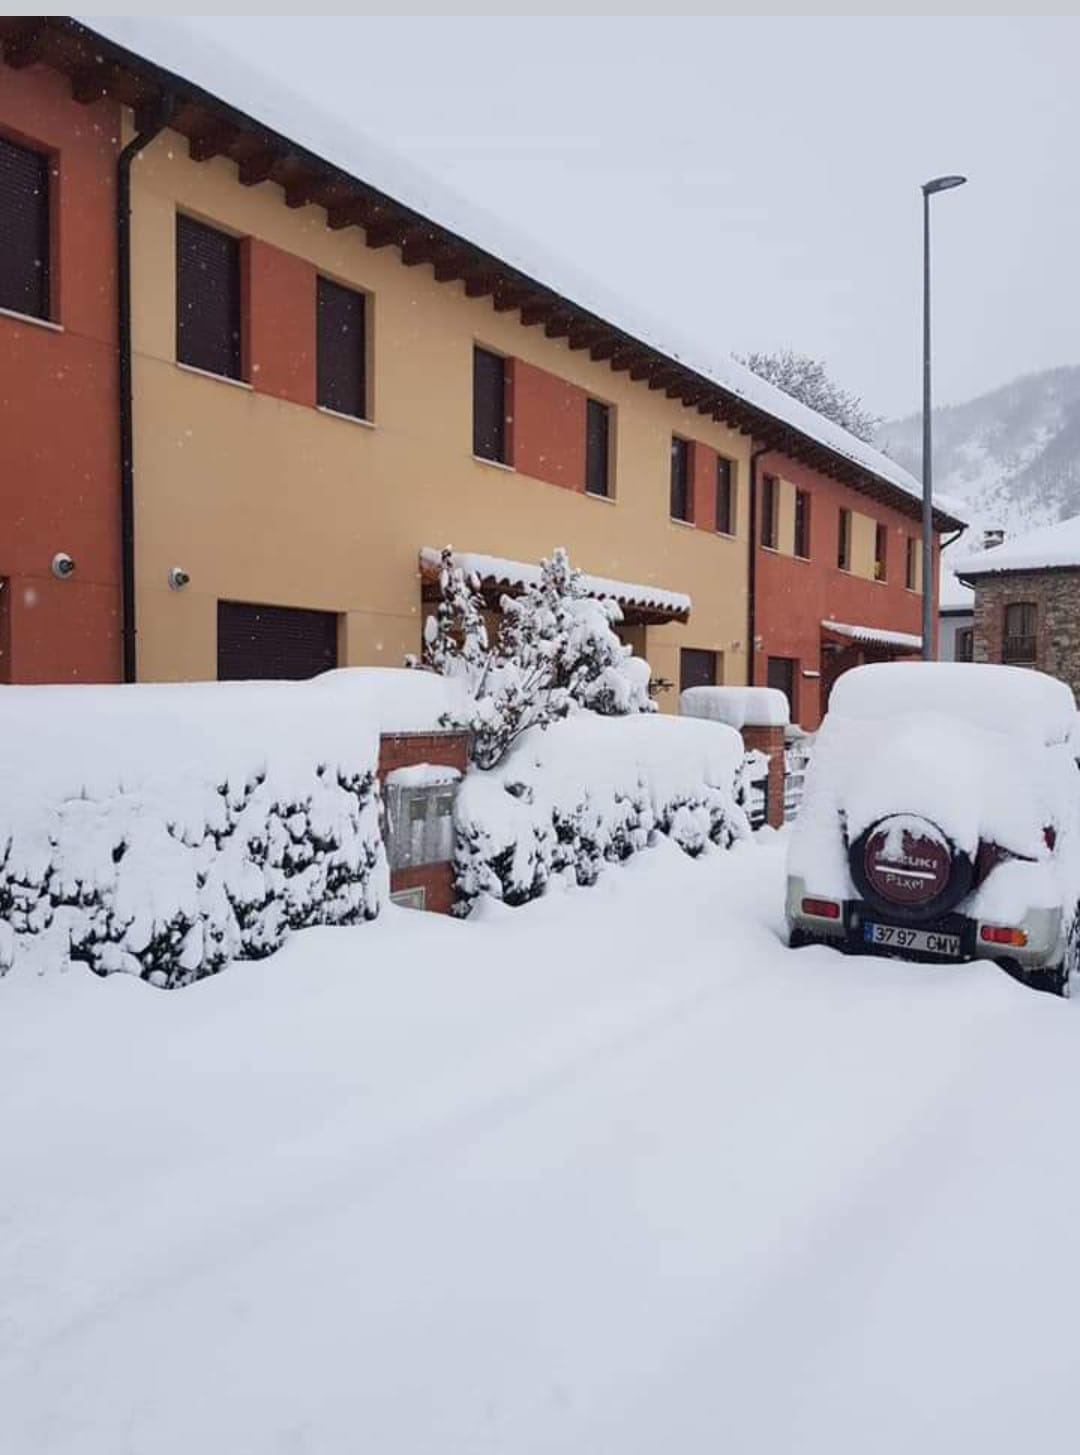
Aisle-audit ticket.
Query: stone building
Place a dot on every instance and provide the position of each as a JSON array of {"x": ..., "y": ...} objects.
[{"x": 1027, "y": 601}]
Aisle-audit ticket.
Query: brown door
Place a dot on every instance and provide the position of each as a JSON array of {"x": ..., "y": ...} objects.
[
  {"x": 274, "y": 642},
  {"x": 781, "y": 675}
]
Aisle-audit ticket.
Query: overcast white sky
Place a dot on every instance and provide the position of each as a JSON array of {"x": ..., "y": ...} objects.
[{"x": 756, "y": 181}]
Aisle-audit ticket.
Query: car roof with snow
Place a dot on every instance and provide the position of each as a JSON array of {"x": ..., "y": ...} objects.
[{"x": 1013, "y": 700}]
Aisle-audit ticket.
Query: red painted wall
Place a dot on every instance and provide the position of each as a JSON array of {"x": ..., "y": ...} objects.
[
  {"x": 59, "y": 432},
  {"x": 280, "y": 320},
  {"x": 547, "y": 426},
  {"x": 793, "y": 596}
]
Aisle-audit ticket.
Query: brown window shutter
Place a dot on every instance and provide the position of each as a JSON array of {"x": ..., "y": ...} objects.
[
  {"x": 279, "y": 642},
  {"x": 681, "y": 507},
  {"x": 341, "y": 345},
  {"x": 489, "y": 406},
  {"x": 697, "y": 668},
  {"x": 24, "y": 230},
  {"x": 207, "y": 298},
  {"x": 725, "y": 514}
]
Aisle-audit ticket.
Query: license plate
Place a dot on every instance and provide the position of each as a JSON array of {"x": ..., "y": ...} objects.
[{"x": 923, "y": 942}]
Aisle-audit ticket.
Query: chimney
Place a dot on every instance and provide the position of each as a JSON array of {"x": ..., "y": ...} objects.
[{"x": 993, "y": 537}]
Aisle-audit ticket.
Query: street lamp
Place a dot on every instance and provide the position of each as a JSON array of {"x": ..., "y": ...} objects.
[{"x": 938, "y": 184}]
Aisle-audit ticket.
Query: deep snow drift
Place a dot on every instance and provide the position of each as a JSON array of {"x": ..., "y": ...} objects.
[{"x": 615, "y": 1172}]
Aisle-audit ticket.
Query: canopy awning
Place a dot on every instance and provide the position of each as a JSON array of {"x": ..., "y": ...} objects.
[
  {"x": 498, "y": 575},
  {"x": 872, "y": 636}
]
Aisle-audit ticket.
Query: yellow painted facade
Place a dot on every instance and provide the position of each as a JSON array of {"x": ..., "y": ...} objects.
[{"x": 263, "y": 500}]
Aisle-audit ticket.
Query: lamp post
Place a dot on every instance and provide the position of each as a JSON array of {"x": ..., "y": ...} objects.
[{"x": 938, "y": 184}]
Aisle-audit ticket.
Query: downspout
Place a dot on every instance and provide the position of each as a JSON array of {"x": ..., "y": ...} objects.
[
  {"x": 751, "y": 583},
  {"x": 142, "y": 139}
]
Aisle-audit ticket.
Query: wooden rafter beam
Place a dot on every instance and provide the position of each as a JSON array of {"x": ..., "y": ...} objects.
[
  {"x": 507, "y": 299},
  {"x": 25, "y": 47},
  {"x": 583, "y": 336},
  {"x": 90, "y": 84},
  {"x": 604, "y": 348},
  {"x": 257, "y": 168},
  {"x": 207, "y": 145},
  {"x": 479, "y": 285},
  {"x": 417, "y": 248},
  {"x": 537, "y": 310}
]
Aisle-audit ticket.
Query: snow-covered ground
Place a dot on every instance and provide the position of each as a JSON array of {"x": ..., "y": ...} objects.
[{"x": 615, "y": 1172}]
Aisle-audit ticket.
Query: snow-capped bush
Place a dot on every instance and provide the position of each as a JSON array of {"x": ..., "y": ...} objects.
[
  {"x": 164, "y": 831},
  {"x": 556, "y": 649},
  {"x": 592, "y": 791}
]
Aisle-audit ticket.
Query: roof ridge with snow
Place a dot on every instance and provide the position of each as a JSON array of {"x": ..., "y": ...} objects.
[{"x": 1048, "y": 548}]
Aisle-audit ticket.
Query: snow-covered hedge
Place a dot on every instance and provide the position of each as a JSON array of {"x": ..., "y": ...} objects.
[
  {"x": 592, "y": 790},
  {"x": 166, "y": 830}
]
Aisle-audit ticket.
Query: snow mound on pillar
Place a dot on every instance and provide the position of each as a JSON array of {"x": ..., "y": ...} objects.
[
  {"x": 589, "y": 791},
  {"x": 739, "y": 707}
]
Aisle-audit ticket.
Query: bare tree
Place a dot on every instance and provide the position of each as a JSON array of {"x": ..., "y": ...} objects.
[{"x": 805, "y": 379}]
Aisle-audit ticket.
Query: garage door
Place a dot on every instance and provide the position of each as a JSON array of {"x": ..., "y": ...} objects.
[{"x": 274, "y": 641}]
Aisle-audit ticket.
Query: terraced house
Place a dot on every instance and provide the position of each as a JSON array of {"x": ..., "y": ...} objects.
[{"x": 251, "y": 384}]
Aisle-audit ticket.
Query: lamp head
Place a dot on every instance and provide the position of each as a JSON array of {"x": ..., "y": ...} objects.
[{"x": 942, "y": 184}]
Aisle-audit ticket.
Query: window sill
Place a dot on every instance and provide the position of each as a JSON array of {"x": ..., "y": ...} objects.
[
  {"x": 495, "y": 464},
  {"x": 686, "y": 524},
  {"x": 772, "y": 550},
  {"x": 32, "y": 318},
  {"x": 726, "y": 535},
  {"x": 805, "y": 560},
  {"x": 604, "y": 499},
  {"x": 348, "y": 418},
  {"x": 219, "y": 378}
]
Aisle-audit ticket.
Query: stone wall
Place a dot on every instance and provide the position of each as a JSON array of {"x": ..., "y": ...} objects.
[{"x": 1056, "y": 595}]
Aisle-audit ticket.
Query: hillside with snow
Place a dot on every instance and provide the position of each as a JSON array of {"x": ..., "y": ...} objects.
[{"x": 1012, "y": 455}]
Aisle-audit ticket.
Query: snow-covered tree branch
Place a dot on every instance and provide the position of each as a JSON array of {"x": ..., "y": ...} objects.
[{"x": 805, "y": 379}]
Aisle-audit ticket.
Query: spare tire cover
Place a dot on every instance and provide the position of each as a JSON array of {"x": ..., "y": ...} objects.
[{"x": 907, "y": 867}]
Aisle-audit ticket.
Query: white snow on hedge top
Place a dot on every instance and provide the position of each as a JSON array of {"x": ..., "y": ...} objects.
[
  {"x": 270, "y": 100},
  {"x": 739, "y": 707},
  {"x": 503, "y": 571},
  {"x": 873, "y": 634},
  {"x": 1050, "y": 546},
  {"x": 1011, "y": 700},
  {"x": 93, "y": 740}
]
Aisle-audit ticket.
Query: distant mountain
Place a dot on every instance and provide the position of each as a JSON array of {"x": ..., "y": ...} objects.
[{"x": 1012, "y": 456}]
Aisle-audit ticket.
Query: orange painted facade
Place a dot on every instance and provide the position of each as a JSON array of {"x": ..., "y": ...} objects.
[
  {"x": 59, "y": 433},
  {"x": 795, "y": 595}
]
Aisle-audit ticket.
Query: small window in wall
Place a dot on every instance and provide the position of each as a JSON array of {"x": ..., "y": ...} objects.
[
  {"x": 24, "y": 230},
  {"x": 770, "y": 511},
  {"x": 965, "y": 644},
  {"x": 279, "y": 642},
  {"x": 698, "y": 668},
  {"x": 725, "y": 496},
  {"x": 681, "y": 502},
  {"x": 1019, "y": 644},
  {"x": 881, "y": 553},
  {"x": 597, "y": 448},
  {"x": 782, "y": 673},
  {"x": 341, "y": 347},
  {"x": 489, "y": 406},
  {"x": 802, "y": 524},
  {"x": 207, "y": 298},
  {"x": 843, "y": 540},
  {"x": 910, "y": 566}
]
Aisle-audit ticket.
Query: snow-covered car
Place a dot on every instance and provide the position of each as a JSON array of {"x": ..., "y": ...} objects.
[{"x": 941, "y": 820}]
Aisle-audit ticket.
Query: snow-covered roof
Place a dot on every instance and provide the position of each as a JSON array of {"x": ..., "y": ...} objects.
[
  {"x": 875, "y": 635},
  {"x": 265, "y": 98},
  {"x": 500, "y": 571},
  {"x": 953, "y": 596},
  {"x": 1051, "y": 547}
]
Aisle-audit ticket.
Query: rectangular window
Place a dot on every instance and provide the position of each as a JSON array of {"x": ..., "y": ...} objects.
[
  {"x": 965, "y": 644},
  {"x": 489, "y": 406},
  {"x": 725, "y": 496},
  {"x": 881, "y": 553},
  {"x": 843, "y": 541},
  {"x": 597, "y": 442},
  {"x": 910, "y": 563},
  {"x": 24, "y": 230},
  {"x": 1020, "y": 641},
  {"x": 802, "y": 524},
  {"x": 697, "y": 668},
  {"x": 681, "y": 502},
  {"x": 207, "y": 298},
  {"x": 341, "y": 348},
  {"x": 770, "y": 508}
]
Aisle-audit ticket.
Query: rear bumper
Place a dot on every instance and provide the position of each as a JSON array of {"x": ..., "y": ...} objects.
[{"x": 1044, "y": 929}]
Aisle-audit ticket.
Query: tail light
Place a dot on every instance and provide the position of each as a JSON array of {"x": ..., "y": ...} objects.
[
  {"x": 823, "y": 908},
  {"x": 1002, "y": 935}
]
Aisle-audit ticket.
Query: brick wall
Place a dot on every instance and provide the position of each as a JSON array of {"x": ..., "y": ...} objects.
[
  {"x": 405, "y": 750},
  {"x": 770, "y": 741},
  {"x": 1056, "y": 595}
]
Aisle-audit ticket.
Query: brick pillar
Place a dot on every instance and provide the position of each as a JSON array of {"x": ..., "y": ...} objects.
[
  {"x": 403, "y": 750},
  {"x": 770, "y": 741}
]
